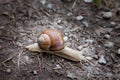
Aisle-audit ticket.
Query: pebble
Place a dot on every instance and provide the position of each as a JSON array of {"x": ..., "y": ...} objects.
[
  {"x": 112, "y": 23},
  {"x": 85, "y": 23},
  {"x": 19, "y": 43},
  {"x": 96, "y": 57},
  {"x": 34, "y": 72},
  {"x": 43, "y": 2},
  {"x": 89, "y": 40},
  {"x": 50, "y": 6},
  {"x": 66, "y": 34},
  {"x": 29, "y": 41},
  {"x": 65, "y": 38},
  {"x": 107, "y": 15},
  {"x": 118, "y": 51},
  {"x": 107, "y": 36},
  {"x": 80, "y": 47},
  {"x": 79, "y": 18},
  {"x": 109, "y": 44},
  {"x": 88, "y": 1},
  {"x": 71, "y": 74},
  {"x": 89, "y": 58},
  {"x": 102, "y": 60},
  {"x": 59, "y": 26},
  {"x": 57, "y": 67},
  {"x": 26, "y": 58},
  {"x": 69, "y": 14},
  {"x": 8, "y": 70}
]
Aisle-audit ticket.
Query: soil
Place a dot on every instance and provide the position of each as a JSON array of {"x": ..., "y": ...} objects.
[{"x": 22, "y": 21}]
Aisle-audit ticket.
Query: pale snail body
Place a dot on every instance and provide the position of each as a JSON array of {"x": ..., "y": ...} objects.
[{"x": 51, "y": 39}]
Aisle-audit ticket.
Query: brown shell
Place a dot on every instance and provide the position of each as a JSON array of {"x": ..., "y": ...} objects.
[
  {"x": 45, "y": 44},
  {"x": 56, "y": 40}
]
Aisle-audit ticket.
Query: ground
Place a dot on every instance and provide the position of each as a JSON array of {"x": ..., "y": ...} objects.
[{"x": 22, "y": 21}]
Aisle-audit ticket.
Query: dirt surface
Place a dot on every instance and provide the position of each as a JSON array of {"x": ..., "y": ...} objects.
[{"x": 22, "y": 21}]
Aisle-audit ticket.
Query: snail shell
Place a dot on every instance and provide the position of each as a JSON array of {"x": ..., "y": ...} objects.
[{"x": 51, "y": 39}]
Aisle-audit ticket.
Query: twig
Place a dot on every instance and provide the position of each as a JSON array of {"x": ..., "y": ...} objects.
[
  {"x": 5, "y": 38},
  {"x": 18, "y": 63},
  {"x": 39, "y": 14},
  {"x": 8, "y": 59},
  {"x": 74, "y": 4},
  {"x": 39, "y": 62}
]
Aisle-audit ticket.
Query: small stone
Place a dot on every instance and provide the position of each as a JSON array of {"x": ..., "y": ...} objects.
[
  {"x": 79, "y": 18},
  {"x": 112, "y": 23},
  {"x": 59, "y": 26},
  {"x": 80, "y": 47},
  {"x": 8, "y": 70},
  {"x": 89, "y": 40},
  {"x": 85, "y": 23},
  {"x": 109, "y": 44},
  {"x": 107, "y": 15},
  {"x": 19, "y": 43},
  {"x": 96, "y": 57},
  {"x": 29, "y": 41},
  {"x": 34, "y": 72},
  {"x": 88, "y": 1},
  {"x": 69, "y": 14},
  {"x": 59, "y": 21},
  {"x": 89, "y": 58},
  {"x": 65, "y": 38},
  {"x": 57, "y": 67},
  {"x": 71, "y": 74},
  {"x": 107, "y": 36},
  {"x": 26, "y": 58},
  {"x": 102, "y": 60},
  {"x": 43, "y": 2},
  {"x": 66, "y": 34},
  {"x": 118, "y": 51},
  {"x": 96, "y": 72},
  {"x": 50, "y": 6}
]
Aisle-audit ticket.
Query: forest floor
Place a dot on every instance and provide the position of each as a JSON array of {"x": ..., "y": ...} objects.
[{"x": 80, "y": 23}]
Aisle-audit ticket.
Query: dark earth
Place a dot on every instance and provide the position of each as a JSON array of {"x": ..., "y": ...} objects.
[{"x": 21, "y": 21}]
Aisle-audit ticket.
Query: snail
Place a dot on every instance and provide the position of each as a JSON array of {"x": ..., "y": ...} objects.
[{"x": 51, "y": 41}]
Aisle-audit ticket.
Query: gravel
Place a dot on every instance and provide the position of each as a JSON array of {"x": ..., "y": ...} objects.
[
  {"x": 65, "y": 38},
  {"x": 89, "y": 40},
  {"x": 102, "y": 60},
  {"x": 79, "y": 18},
  {"x": 57, "y": 67},
  {"x": 34, "y": 72},
  {"x": 88, "y": 1},
  {"x": 50, "y": 6},
  {"x": 109, "y": 44},
  {"x": 85, "y": 23},
  {"x": 8, "y": 70},
  {"x": 69, "y": 14},
  {"x": 118, "y": 51},
  {"x": 107, "y": 36},
  {"x": 107, "y": 15},
  {"x": 43, "y": 2},
  {"x": 113, "y": 24}
]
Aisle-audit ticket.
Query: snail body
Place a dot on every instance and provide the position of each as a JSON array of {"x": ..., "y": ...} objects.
[{"x": 50, "y": 39}]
